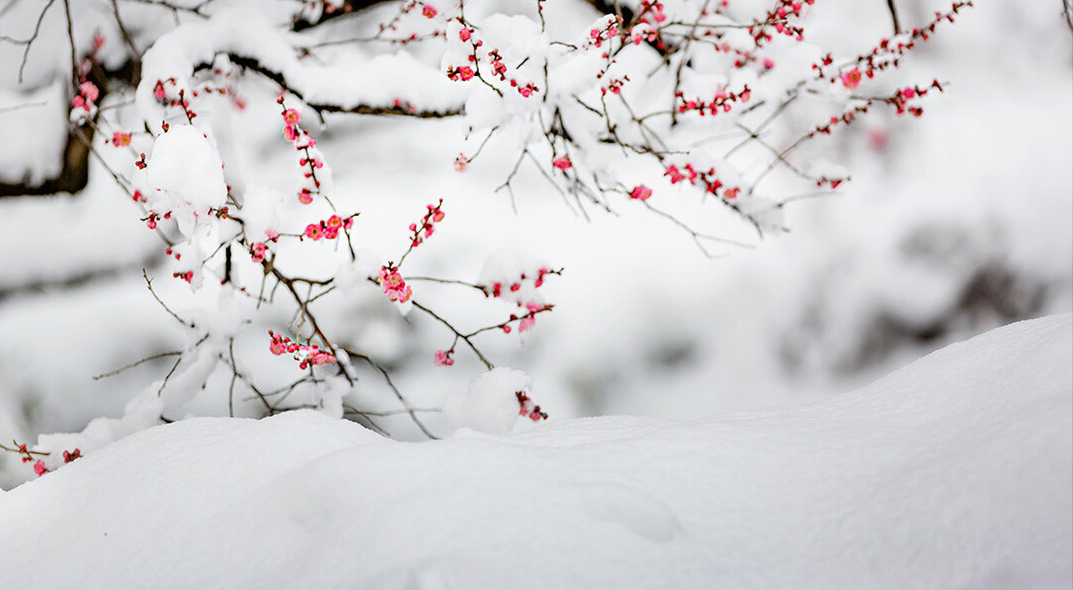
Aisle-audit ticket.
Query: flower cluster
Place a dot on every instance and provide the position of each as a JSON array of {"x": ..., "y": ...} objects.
[
  {"x": 394, "y": 287},
  {"x": 40, "y": 468},
  {"x": 187, "y": 276},
  {"x": 901, "y": 98},
  {"x": 499, "y": 69},
  {"x": 423, "y": 231},
  {"x": 460, "y": 73},
  {"x": 721, "y": 102},
  {"x": 887, "y": 54},
  {"x": 160, "y": 92},
  {"x": 153, "y": 217},
  {"x": 643, "y": 32},
  {"x": 306, "y": 355},
  {"x": 496, "y": 288},
  {"x": 707, "y": 179},
  {"x": 641, "y": 193},
  {"x": 527, "y": 409},
  {"x": 526, "y": 321},
  {"x": 605, "y": 31},
  {"x": 258, "y": 250},
  {"x": 305, "y": 143},
  {"x": 614, "y": 85},
  {"x": 328, "y": 228},
  {"x": 443, "y": 358},
  {"x": 780, "y": 19},
  {"x": 87, "y": 94}
]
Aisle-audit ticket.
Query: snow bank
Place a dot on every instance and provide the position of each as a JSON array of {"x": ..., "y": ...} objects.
[{"x": 955, "y": 472}]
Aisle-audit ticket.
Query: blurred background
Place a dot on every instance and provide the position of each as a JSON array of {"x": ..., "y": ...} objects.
[{"x": 953, "y": 224}]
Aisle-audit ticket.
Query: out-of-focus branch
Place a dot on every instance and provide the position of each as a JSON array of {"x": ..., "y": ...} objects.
[
  {"x": 894, "y": 17},
  {"x": 72, "y": 177},
  {"x": 74, "y": 174}
]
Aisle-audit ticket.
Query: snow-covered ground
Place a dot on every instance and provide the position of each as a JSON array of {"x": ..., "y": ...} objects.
[{"x": 955, "y": 472}]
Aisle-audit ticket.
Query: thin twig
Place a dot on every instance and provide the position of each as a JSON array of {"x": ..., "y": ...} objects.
[{"x": 135, "y": 364}]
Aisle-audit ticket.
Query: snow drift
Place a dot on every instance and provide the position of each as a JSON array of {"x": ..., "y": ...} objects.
[{"x": 955, "y": 472}]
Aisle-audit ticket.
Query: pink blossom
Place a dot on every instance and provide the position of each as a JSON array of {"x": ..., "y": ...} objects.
[
  {"x": 675, "y": 175},
  {"x": 526, "y": 323},
  {"x": 158, "y": 90},
  {"x": 641, "y": 192},
  {"x": 292, "y": 117},
  {"x": 88, "y": 90},
  {"x": 313, "y": 231},
  {"x": 120, "y": 139},
  {"x": 443, "y": 358},
  {"x": 278, "y": 345},
  {"x": 39, "y": 468},
  {"x": 464, "y": 34},
  {"x": 562, "y": 163},
  {"x": 394, "y": 287},
  {"x": 305, "y": 197},
  {"x": 461, "y": 163},
  {"x": 851, "y": 79},
  {"x": 290, "y": 132},
  {"x": 429, "y": 12},
  {"x": 257, "y": 252}
]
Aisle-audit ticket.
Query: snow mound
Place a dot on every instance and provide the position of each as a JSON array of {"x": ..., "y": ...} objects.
[
  {"x": 490, "y": 403},
  {"x": 955, "y": 472}
]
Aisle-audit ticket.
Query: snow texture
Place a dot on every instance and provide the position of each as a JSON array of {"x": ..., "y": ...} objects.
[{"x": 955, "y": 472}]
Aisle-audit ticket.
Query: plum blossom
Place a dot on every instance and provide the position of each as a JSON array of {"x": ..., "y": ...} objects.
[
  {"x": 394, "y": 287},
  {"x": 851, "y": 79}
]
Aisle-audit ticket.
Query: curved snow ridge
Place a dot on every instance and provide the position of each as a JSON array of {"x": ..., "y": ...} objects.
[{"x": 954, "y": 472}]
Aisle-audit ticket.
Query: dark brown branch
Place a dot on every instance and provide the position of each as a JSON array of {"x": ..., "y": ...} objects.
[
  {"x": 74, "y": 174},
  {"x": 894, "y": 17},
  {"x": 253, "y": 64}
]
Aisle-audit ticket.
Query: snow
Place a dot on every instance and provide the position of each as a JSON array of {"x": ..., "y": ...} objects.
[
  {"x": 37, "y": 155},
  {"x": 184, "y": 176},
  {"x": 954, "y": 472},
  {"x": 490, "y": 403}
]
